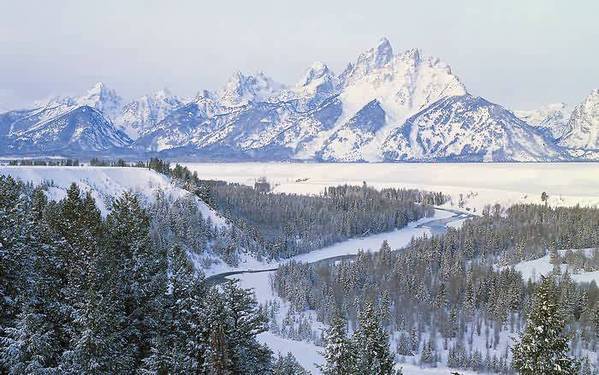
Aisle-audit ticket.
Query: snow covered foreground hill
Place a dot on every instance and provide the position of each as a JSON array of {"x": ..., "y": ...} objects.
[
  {"x": 106, "y": 183},
  {"x": 365, "y": 113}
]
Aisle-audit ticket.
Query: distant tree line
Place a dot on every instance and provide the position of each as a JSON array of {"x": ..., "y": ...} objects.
[{"x": 45, "y": 162}]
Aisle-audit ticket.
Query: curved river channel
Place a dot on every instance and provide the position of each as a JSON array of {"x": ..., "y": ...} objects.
[{"x": 434, "y": 226}]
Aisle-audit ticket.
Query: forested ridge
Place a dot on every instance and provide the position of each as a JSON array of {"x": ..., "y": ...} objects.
[
  {"x": 280, "y": 225},
  {"x": 449, "y": 299}
]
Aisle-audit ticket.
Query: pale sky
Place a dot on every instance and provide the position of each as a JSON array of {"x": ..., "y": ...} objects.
[{"x": 518, "y": 53}]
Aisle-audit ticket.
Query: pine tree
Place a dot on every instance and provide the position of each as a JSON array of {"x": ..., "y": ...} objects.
[
  {"x": 543, "y": 348},
  {"x": 140, "y": 271},
  {"x": 339, "y": 353},
  {"x": 371, "y": 344},
  {"x": 246, "y": 321},
  {"x": 32, "y": 344},
  {"x": 287, "y": 365},
  {"x": 180, "y": 346}
]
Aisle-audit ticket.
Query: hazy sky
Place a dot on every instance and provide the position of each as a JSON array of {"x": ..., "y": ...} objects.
[{"x": 519, "y": 53}]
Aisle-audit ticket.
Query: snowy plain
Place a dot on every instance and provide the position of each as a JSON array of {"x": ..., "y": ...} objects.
[
  {"x": 478, "y": 184},
  {"x": 534, "y": 269}
]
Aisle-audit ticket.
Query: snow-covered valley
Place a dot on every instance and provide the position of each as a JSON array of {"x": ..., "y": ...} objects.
[
  {"x": 470, "y": 186},
  {"x": 307, "y": 353}
]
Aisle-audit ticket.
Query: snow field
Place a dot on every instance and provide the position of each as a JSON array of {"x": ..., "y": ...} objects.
[{"x": 475, "y": 184}]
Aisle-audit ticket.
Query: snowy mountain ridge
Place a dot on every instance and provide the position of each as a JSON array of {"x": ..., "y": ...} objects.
[{"x": 384, "y": 106}]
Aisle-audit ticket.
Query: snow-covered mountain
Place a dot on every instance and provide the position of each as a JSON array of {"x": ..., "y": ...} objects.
[
  {"x": 468, "y": 128},
  {"x": 52, "y": 130},
  {"x": 583, "y": 125},
  {"x": 551, "y": 119},
  {"x": 384, "y": 106},
  {"x": 139, "y": 116},
  {"x": 103, "y": 99},
  {"x": 242, "y": 89}
]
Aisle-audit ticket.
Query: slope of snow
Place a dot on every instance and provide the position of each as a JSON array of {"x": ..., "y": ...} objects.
[
  {"x": 106, "y": 183},
  {"x": 534, "y": 269},
  {"x": 468, "y": 128}
]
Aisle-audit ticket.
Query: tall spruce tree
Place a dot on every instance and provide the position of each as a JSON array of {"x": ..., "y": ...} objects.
[
  {"x": 543, "y": 347},
  {"x": 246, "y": 321},
  {"x": 141, "y": 273},
  {"x": 339, "y": 353},
  {"x": 288, "y": 365},
  {"x": 371, "y": 344}
]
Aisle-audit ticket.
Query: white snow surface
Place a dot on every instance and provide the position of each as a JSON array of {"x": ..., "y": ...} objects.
[
  {"x": 550, "y": 118},
  {"x": 106, "y": 183},
  {"x": 479, "y": 184},
  {"x": 534, "y": 269}
]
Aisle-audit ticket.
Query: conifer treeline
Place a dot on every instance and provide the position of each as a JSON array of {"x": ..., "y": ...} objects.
[
  {"x": 446, "y": 293},
  {"x": 84, "y": 294}
]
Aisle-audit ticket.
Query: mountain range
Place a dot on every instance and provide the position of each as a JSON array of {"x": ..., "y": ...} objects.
[{"x": 384, "y": 106}]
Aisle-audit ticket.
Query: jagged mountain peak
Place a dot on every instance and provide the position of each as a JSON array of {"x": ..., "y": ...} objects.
[
  {"x": 583, "y": 125},
  {"x": 316, "y": 71},
  {"x": 371, "y": 59},
  {"x": 241, "y": 89},
  {"x": 377, "y": 56},
  {"x": 102, "y": 98},
  {"x": 551, "y": 119},
  {"x": 100, "y": 91},
  {"x": 411, "y": 56},
  {"x": 139, "y": 116}
]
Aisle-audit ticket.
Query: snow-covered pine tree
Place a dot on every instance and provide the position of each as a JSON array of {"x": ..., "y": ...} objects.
[
  {"x": 543, "y": 347},
  {"x": 141, "y": 274},
  {"x": 30, "y": 344},
  {"x": 371, "y": 344},
  {"x": 185, "y": 328},
  {"x": 287, "y": 365},
  {"x": 246, "y": 320},
  {"x": 339, "y": 354}
]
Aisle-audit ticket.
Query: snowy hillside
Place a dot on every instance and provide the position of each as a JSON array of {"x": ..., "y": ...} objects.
[
  {"x": 471, "y": 129},
  {"x": 59, "y": 129},
  {"x": 534, "y": 269},
  {"x": 105, "y": 183}
]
